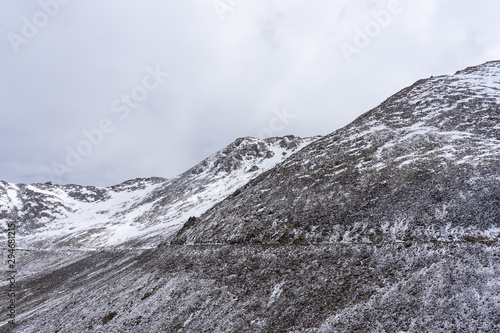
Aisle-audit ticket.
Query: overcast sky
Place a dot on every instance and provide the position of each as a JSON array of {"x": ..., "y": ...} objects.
[{"x": 98, "y": 92}]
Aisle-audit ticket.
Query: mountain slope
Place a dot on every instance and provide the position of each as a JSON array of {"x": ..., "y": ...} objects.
[
  {"x": 387, "y": 225},
  {"x": 137, "y": 212},
  {"x": 424, "y": 165}
]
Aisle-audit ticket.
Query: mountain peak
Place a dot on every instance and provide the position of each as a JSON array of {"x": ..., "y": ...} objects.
[
  {"x": 487, "y": 68},
  {"x": 137, "y": 212},
  {"x": 247, "y": 152}
]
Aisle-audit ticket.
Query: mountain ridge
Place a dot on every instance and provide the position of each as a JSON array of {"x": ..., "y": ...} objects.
[
  {"x": 138, "y": 212},
  {"x": 390, "y": 224},
  {"x": 460, "y": 135}
]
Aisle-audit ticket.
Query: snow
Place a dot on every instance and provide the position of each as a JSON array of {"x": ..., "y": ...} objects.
[
  {"x": 12, "y": 196},
  {"x": 275, "y": 293},
  {"x": 414, "y": 275},
  {"x": 85, "y": 216},
  {"x": 124, "y": 213}
]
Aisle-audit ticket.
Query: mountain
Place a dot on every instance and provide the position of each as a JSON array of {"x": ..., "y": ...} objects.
[
  {"x": 390, "y": 224},
  {"x": 139, "y": 212},
  {"x": 422, "y": 166}
]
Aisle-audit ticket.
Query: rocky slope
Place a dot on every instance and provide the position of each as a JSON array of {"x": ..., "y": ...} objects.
[
  {"x": 422, "y": 166},
  {"x": 385, "y": 287},
  {"x": 390, "y": 224}
]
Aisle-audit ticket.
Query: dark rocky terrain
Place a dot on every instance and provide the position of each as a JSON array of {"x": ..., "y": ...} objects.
[{"x": 390, "y": 224}]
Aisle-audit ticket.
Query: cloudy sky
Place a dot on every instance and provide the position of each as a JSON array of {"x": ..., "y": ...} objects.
[{"x": 98, "y": 92}]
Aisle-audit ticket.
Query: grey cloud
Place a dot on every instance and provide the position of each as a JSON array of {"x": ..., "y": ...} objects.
[{"x": 225, "y": 77}]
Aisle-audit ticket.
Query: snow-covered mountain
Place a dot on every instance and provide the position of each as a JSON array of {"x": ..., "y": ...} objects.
[
  {"x": 138, "y": 212},
  {"x": 424, "y": 165},
  {"x": 390, "y": 224}
]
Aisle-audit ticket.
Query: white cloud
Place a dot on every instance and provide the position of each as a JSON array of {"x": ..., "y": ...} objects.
[{"x": 225, "y": 79}]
